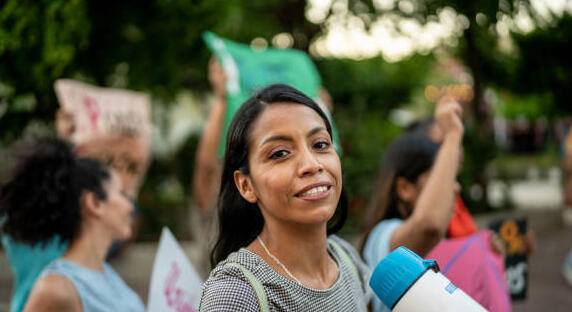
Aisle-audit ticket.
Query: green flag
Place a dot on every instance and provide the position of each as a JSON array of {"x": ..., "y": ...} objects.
[{"x": 248, "y": 71}]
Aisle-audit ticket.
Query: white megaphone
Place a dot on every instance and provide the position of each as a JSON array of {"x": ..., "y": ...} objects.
[{"x": 405, "y": 282}]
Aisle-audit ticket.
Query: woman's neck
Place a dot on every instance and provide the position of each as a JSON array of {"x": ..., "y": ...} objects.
[
  {"x": 301, "y": 250},
  {"x": 89, "y": 249}
]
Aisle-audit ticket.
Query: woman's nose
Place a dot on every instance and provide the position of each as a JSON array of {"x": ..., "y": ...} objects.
[{"x": 309, "y": 163}]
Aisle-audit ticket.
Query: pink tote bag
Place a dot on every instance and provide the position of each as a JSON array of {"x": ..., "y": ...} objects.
[{"x": 470, "y": 264}]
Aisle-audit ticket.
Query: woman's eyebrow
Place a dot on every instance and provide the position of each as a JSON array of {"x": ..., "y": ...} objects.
[
  {"x": 289, "y": 138},
  {"x": 276, "y": 138},
  {"x": 316, "y": 130}
]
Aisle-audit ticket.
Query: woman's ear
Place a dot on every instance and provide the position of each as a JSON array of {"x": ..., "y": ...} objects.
[
  {"x": 244, "y": 185},
  {"x": 91, "y": 205},
  {"x": 406, "y": 191}
]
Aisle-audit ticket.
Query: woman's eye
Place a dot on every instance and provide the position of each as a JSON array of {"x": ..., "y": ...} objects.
[
  {"x": 322, "y": 145},
  {"x": 279, "y": 154}
]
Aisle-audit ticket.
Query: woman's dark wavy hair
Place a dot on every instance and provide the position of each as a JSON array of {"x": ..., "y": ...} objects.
[
  {"x": 408, "y": 156},
  {"x": 41, "y": 196},
  {"x": 240, "y": 221}
]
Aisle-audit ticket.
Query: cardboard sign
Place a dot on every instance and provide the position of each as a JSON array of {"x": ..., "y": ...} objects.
[
  {"x": 102, "y": 111},
  {"x": 512, "y": 232},
  {"x": 175, "y": 284}
]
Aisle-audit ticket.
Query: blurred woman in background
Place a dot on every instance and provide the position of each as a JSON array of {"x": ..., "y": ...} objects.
[
  {"x": 51, "y": 192},
  {"x": 413, "y": 198}
]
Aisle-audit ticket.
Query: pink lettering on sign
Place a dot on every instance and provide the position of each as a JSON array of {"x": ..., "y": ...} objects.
[
  {"x": 92, "y": 112},
  {"x": 177, "y": 299}
]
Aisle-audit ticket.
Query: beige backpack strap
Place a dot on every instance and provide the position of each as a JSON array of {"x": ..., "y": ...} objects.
[
  {"x": 256, "y": 285},
  {"x": 345, "y": 257}
]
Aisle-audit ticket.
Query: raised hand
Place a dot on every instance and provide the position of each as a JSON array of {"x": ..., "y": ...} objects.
[
  {"x": 217, "y": 77},
  {"x": 448, "y": 115}
]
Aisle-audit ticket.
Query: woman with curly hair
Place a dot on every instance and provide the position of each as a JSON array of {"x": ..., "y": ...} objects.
[{"x": 51, "y": 192}]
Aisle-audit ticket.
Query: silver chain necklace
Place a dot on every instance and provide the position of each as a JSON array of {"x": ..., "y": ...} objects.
[{"x": 278, "y": 261}]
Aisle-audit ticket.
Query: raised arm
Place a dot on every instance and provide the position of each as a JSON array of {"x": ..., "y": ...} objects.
[
  {"x": 428, "y": 222},
  {"x": 208, "y": 167}
]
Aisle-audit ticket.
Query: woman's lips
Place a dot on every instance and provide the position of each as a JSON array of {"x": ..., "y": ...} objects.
[{"x": 315, "y": 193}]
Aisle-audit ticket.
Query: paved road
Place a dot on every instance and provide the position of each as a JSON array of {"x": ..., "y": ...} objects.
[{"x": 547, "y": 289}]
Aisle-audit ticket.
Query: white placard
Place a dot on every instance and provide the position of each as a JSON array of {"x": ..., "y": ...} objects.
[
  {"x": 99, "y": 111},
  {"x": 175, "y": 284}
]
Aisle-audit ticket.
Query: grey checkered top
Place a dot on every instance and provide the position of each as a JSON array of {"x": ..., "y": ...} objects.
[{"x": 227, "y": 289}]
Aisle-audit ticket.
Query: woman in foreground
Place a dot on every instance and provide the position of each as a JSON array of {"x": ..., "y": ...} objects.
[{"x": 279, "y": 201}]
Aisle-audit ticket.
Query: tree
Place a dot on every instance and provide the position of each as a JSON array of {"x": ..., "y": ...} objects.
[
  {"x": 479, "y": 38},
  {"x": 39, "y": 41},
  {"x": 478, "y": 50},
  {"x": 544, "y": 65}
]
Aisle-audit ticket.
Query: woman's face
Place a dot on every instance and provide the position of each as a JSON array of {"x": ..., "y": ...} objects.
[
  {"x": 294, "y": 171},
  {"x": 128, "y": 157},
  {"x": 117, "y": 214}
]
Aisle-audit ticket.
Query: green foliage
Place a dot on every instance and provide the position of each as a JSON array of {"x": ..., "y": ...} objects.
[
  {"x": 544, "y": 63},
  {"x": 373, "y": 83},
  {"x": 480, "y": 53},
  {"x": 513, "y": 167},
  {"x": 529, "y": 106},
  {"x": 164, "y": 199},
  {"x": 364, "y": 138},
  {"x": 365, "y": 134},
  {"x": 39, "y": 41},
  {"x": 479, "y": 150},
  {"x": 364, "y": 92}
]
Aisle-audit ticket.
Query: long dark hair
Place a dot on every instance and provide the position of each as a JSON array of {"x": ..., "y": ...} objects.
[
  {"x": 40, "y": 197},
  {"x": 409, "y": 156},
  {"x": 240, "y": 221}
]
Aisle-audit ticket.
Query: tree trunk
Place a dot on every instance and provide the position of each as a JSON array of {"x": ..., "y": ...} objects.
[{"x": 479, "y": 112}]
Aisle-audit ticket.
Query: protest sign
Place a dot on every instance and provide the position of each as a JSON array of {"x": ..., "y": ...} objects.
[
  {"x": 175, "y": 284},
  {"x": 101, "y": 111},
  {"x": 248, "y": 71},
  {"x": 111, "y": 125},
  {"x": 512, "y": 232}
]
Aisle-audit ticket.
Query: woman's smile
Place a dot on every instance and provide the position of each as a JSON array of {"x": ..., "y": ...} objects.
[{"x": 315, "y": 192}]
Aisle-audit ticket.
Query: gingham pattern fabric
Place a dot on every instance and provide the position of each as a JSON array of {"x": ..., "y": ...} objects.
[{"x": 227, "y": 289}]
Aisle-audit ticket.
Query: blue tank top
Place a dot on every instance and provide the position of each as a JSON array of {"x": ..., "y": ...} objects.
[{"x": 98, "y": 291}]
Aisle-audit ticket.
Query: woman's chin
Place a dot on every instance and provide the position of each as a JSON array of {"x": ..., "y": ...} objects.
[
  {"x": 125, "y": 234},
  {"x": 319, "y": 216}
]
